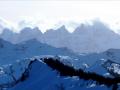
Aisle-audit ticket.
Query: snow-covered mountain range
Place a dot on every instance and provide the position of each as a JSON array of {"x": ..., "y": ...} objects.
[
  {"x": 11, "y": 52},
  {"x": 15, "y": 58},
  {"x": 93, "y": 49},
  {"x": 86, "y": 38},
  {"x": 35, "y": 73}
]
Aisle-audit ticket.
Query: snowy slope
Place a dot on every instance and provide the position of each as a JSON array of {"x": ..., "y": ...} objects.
[
  {"x": 42, "y": 77},
  {"x": 112, "y": 67},
  {"x": 12, "y": 52},
  {"x": 92, "y": 58}
]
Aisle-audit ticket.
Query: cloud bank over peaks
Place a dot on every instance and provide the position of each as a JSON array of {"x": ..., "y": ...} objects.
[{"x": 45, "y": 25}]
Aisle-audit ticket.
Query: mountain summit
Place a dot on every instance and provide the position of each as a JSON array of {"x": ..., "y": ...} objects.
[{"x": 86, "y": 38}]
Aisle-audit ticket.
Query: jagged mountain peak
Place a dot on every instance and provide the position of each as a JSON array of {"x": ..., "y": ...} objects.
[
  {"x": 82, "y": 28},
  {"x": 61, "y": 29},
  {"x": 87, "y": 38},
  {"x": 29, "y": 29},
  {"x": 95, "y": 26},
  {"x": 100, "y": 24}
]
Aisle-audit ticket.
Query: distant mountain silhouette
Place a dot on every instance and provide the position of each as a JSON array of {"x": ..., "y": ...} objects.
[
  {"x": 86, "y": 38},
  {"x": 57, "y": 38}
]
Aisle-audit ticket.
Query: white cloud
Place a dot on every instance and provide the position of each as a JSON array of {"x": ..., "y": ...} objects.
[{"x": 47, "y": 13}]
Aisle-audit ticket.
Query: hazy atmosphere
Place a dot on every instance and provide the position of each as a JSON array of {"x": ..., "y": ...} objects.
[
  {"x": 50, "y": 13},
  {"x": 59, "y": 45}
]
